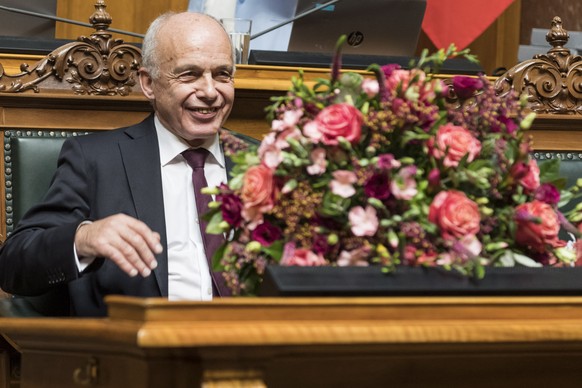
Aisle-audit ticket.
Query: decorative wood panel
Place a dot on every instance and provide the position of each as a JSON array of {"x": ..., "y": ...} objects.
[{"x": 308, "y": 342}]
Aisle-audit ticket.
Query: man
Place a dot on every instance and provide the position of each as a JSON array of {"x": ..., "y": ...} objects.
[{"x": 120, "y": 215}]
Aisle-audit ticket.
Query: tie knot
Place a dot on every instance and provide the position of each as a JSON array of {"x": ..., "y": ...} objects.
[{"x": 196, "y": 157}]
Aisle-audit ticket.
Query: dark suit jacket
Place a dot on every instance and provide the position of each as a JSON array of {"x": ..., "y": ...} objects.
[{"x": 98, "y": 175}]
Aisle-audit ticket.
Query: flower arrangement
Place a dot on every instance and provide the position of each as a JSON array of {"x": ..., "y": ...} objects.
[{"x": 400, "y": 169}]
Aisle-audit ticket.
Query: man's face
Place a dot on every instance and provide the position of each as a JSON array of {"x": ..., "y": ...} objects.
[{"x": 194, "y": 92}]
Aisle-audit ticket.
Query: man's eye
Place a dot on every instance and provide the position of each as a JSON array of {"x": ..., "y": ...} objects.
[
  {"x": 223, "y": 76},
  {"x": 187, "y": 77}
]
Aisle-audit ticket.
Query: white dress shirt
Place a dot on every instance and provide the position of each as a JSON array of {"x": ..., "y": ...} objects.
[{"x": 188, "y": 271}]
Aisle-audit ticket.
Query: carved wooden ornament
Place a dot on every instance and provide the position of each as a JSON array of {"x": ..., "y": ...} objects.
[{"x": 552, "y": 81}]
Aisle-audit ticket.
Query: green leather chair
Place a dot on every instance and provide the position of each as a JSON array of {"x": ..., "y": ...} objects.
[
  {"x": 30, "y": 160},
  {"x": 570, "y": 168}
]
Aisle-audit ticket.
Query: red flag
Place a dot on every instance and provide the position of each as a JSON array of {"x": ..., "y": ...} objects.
[{"x": 460, "y": 21}]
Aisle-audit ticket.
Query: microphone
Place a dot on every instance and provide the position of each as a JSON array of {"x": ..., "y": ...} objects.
[
  {"x": 296, "y": 17},
  {"x": 59, "y": 19}
]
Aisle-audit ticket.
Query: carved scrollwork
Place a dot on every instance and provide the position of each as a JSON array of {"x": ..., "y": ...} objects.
[
  {"x": 95, "y": 64},
  {"x": 552, "y": 81}
]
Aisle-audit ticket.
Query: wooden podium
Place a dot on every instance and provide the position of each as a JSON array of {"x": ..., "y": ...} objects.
[{"x": 307, "y": 342}]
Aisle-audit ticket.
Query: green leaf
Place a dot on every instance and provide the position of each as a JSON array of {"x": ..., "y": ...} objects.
[
  {"x": 275, "y": 250},
  {"x": 334, "y": 205},
  {"x": 217, "y": 258},
  {"x": 525, "y": 260},
  {"x": 549, "y": 170},
  {"x": 214, "y": 225}
]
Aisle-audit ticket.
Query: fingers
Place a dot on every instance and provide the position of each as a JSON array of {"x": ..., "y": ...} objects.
[{"x": 126, "y": 241}]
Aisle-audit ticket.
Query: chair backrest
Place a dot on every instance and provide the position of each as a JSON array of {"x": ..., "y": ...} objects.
[
  {"x": 570, "y": 168},
  {"x": 30, "y": 160}
]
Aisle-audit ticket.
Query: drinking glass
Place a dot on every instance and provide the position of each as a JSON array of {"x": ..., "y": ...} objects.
[{"x": 239, "y": 31}]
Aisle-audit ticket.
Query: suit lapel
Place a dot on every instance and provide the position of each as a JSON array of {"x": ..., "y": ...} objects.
[{"x": 141, "y": 159}]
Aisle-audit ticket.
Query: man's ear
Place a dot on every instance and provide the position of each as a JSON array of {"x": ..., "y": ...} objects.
[{"x": 146, "y": 81}]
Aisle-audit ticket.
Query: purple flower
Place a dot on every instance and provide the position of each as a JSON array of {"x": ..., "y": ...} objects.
[
  {"x": 547, "y": 193},
  {"x": 266, "y": 233},
  {"x": 434, "y": 177},
  {"x": 320, "y": 245},
  {"x": 519, "y": 170},
  {"x": 388, "y": 69},
  {"x": 378, "y": 186},
  {"x": 510, "y": 125},
  {"x": 465, "y": 87},
  {"x": 231, "y": 209},
  {"x": 387, "y": 162}
]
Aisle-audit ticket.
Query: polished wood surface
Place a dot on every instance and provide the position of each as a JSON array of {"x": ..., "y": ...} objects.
[{"x": 309, "y": 342}]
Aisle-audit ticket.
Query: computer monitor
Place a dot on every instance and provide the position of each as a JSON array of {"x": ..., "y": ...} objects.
[{"x": 373, "y": 27}]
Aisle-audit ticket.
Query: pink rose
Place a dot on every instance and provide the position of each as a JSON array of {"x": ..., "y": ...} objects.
[
  {"x": 258, "y": 193},
  {"x": 537, "y": 226},
  {"x": 531, "y": 180},
  {"x": 334, "y": 121},
  {"x": 303, "y": 258},
  {"x": 454, "y": 214},
  {"x": 452, "y": 143}
]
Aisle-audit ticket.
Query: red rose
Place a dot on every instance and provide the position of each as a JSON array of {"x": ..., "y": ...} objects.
[
  {"x": 537, "y": 226},
  {"x": 258, "y": 193},
  {"x": 338, "y": 120},
  {"x": 454, "y": 214},
  {"x": 452, "y": 143}
]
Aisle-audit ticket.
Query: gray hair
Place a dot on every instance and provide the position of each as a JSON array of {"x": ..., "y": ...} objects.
[{"x": 149, "y": 48}]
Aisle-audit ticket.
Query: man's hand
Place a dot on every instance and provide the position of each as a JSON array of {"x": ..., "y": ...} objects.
[{"x": 126, "y": 241}]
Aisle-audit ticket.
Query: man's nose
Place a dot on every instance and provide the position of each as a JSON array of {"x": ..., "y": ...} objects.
[{"x": 206, "y": 87}]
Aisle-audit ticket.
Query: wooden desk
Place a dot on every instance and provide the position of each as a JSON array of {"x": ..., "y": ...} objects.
[{"x": 311, "y": 342}]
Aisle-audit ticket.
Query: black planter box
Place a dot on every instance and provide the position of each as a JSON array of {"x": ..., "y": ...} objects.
[{"x": 405, "y": 281}]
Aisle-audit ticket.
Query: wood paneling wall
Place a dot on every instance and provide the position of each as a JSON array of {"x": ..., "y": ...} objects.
[{"x": 127, "y": 15}]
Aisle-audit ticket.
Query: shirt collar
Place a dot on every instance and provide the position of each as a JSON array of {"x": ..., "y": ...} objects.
[{"x": 172, "y": 146}]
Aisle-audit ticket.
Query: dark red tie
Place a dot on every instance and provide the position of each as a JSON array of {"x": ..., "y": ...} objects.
[{"x": 196, "y": 158}]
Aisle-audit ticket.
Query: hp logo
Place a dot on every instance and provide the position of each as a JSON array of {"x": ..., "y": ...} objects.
[{"x": 355, "y": 38}]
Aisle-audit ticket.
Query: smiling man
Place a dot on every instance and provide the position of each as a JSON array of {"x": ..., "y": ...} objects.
[{"x": 120, "y": 216}]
